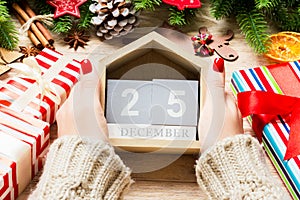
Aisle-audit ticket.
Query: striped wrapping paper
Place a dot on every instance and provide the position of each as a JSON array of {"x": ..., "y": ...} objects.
[
  {"x": 276, "y": 133},
  {"x": 24, "y": 141},
  {"x": 8, "y": 178},
  {"x": 64, "y": 81}
]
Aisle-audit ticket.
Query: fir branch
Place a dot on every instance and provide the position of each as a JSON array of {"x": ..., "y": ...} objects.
[
  {"x": 146, "y": 4},
  {"x": 266, "y": 4},
  {"x": 288, "y": 19},
  {"x": 290, "y": 3},
  {"x": 63, "y": 24},
  {"x": 177, "y": 17},
  {"x": 8, "y": 33},
  {"x": 221, "y": 8},
  {"x": 42, "y": 7},
  {"x": 60, "y": 25},
  {"x": 181, "y": 17},
  {"x": 85, "y": 16},
  {"x": 254, "y": 26},
  {"x": 3, "y": 11}
]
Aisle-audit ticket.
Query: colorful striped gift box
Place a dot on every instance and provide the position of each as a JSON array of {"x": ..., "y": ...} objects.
[
  {"x": 24, "y": 141},
  {"x": 63, "y": 79},
  {"x": 281, "y": 79}
]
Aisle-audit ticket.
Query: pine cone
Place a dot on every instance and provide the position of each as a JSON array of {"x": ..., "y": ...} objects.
[{"x": 114, "y": 18}]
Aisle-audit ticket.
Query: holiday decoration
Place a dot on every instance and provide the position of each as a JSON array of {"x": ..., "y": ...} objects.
[
  {"x": 114, "y": 18},
  {"x": 29, "y": 51},
  {"x": 43, "y": 84},
  {"x": 182, "y": 4},
  {"x": 63, "y": 7},
  {"x": 205, "y": 44},
  {"x": 252, "y": 17},
  {"x": 24, "y": 142},
  {"x": 65, "y": 24},
  {"x": 221, "y": 45},
  {"x": 284, "y": 47},
  {"x": 149, "y": 49},
  {"x": 8, "y": 33},
  {"x": 201, "y": 42},
  {"x": 77, "y": 39},
  {"x": 274, "y": 95},
  {"x": 176, "y": 17},
  {"x": 36, "y": 35}
]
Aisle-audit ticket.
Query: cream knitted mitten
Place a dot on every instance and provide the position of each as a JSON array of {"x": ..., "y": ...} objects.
[
  {"x": 235, "y": 169},
  {"x": 78, "y": 168}
]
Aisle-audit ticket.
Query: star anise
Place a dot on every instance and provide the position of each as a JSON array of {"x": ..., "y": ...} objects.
[
  {"x": 29, "y": 51},
  {"x": 76, "y": 39}
]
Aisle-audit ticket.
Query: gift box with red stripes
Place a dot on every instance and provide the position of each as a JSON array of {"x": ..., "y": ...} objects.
[
  {"x": 56, "y": 71},
  {"x": 24, "y": 141},
  {"x": 272, "y": 97}
]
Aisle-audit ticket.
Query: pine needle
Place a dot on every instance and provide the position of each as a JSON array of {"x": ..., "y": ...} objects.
[
  {"x": 254, "y": 26},
  {"x": 8, "y": 33}
]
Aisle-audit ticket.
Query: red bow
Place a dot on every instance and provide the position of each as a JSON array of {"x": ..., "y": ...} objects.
[{"x": 265, "y": 106}]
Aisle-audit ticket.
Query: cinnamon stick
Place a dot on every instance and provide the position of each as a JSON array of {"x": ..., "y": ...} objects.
[
  {"x": 40, "y": 26},
  {"x": 33, "y": 27},
  {"x": 31, "y": 36}
]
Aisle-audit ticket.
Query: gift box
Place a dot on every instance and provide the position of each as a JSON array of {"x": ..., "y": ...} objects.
[
  {"x": 8, "y": 181},
  {"x": 54, "y": 78},
  {"x": 24, "y": 141},
  {"x": 270, "y": 94}
]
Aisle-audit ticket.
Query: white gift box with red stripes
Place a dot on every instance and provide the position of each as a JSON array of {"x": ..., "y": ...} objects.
[
  {"x": 24, "y": 140},
  {"x": 8, "y": 179},
  {"x": 278, "y": 79},
  {"x": 65, "y": 74}
]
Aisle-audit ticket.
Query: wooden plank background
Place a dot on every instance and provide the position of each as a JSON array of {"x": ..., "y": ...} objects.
[{"x": 176, "y": 181}]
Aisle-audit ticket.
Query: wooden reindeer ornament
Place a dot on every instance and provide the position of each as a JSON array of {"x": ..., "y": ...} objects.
[
  {"x": 205, "y": 44},
  {"x": 221, "y": 45}
]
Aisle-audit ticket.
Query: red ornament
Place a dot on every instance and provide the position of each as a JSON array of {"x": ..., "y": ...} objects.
[
  {"x": 182, "y": 4},
  {"x": 63, "y": 7}
]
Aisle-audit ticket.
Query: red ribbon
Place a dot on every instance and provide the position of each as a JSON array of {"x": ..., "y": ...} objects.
[{"x": 265, "y": 106}]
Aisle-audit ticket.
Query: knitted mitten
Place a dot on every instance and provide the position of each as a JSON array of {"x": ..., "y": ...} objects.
[
  {"x": 235, "y": 169},
  {"x": 78, "y": 168}
]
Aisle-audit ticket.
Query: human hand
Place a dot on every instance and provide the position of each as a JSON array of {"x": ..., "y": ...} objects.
[
  {"x": 81, "y": 114},
  {"x": 220, "y": 117}
]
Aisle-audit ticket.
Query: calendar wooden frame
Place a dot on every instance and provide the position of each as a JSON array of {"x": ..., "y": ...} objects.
[{"x": 153, "y": 47}]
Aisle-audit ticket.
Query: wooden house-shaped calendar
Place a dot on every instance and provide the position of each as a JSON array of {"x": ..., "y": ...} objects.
[{"x": 152, "y": 59}]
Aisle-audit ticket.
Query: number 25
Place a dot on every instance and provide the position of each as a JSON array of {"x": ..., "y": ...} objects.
[{"x": 173, "y": 100}]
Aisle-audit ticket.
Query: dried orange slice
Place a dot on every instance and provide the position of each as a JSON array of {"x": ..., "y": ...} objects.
[
  {"x": 295, "y": 34},
  {"x": 284, "y": 47}
]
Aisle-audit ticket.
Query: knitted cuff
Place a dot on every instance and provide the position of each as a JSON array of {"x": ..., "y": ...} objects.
[
  {"x": 235, "y": 169},
  {"x": 79, "y": 168}
]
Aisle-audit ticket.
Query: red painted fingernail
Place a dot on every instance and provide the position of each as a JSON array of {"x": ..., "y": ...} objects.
[
  {"x": 218, "y": 65},
  {"x": 86, "y": 66}
]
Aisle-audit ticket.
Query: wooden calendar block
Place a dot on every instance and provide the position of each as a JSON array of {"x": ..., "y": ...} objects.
[
  {"x": 135, "y": 61},
  {"x": 128, "y": 101},
  {"x": 175, "y": 102}
]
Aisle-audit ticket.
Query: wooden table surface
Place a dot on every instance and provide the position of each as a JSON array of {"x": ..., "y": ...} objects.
[{"x": 176, "y": 181}]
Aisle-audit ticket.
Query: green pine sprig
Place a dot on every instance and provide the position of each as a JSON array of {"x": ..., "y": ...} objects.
[
  {"x": 254, "y": 26},
  {"x": 180, "y": 17},
  {"x": 8, "y": 33},
  {"x": 221, "y": 8},
  {"x": 286, "y": 18},
  {"x": 266, "y": 4},
  {"x": 84, "y": 22},
  {"x": 66, "y": 23},
  {"x": 176, "y": 17},
  {"x": 146, "y": 4},
  {"x": 253, "y": 17}
]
